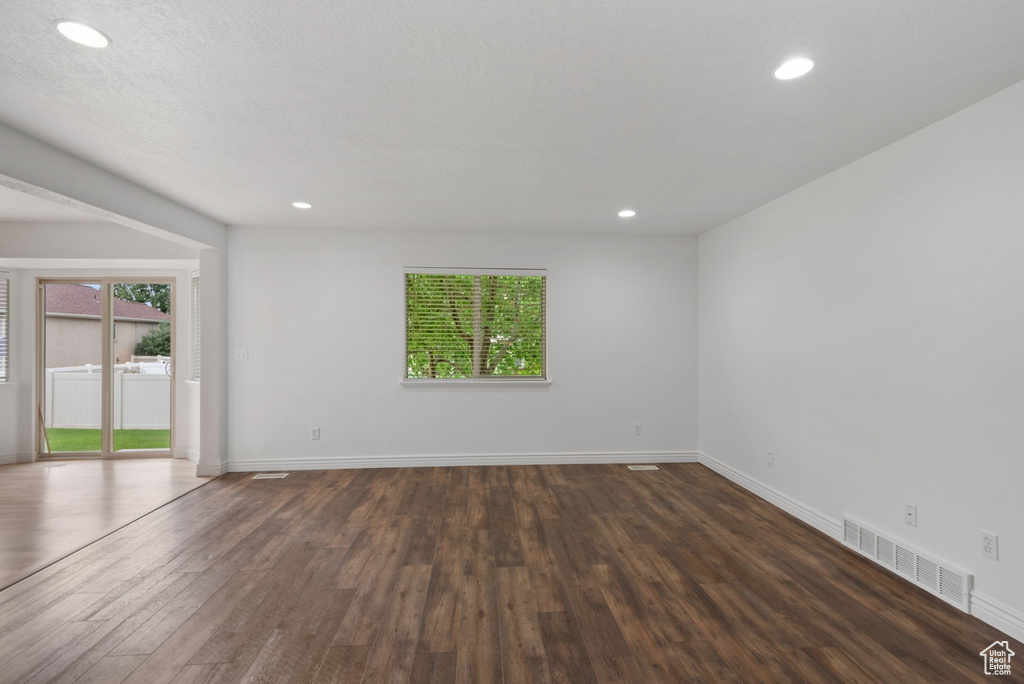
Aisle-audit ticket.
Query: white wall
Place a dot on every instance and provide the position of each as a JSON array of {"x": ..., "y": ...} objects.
[
  {"x": 322, "y": 315},
  {"x": 869, "y": 328},
  {"x": 186, "y": 444}
]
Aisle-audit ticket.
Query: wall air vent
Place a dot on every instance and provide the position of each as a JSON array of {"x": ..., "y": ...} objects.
[
  {"x": 269, "y": 476},
  {"x": 948, "y": 582}
]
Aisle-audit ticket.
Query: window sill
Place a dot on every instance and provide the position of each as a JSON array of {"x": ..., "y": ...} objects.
[{"x": 490, "y": 382}]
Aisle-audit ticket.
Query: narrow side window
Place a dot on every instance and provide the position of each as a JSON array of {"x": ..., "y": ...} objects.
[
  {"x": 4, "y": 327},
  {"x": 196, "y": 336}
]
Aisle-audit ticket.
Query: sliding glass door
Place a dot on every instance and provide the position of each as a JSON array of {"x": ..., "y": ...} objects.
[
  {"x": 106, "y": 378},
  {"x": 72, "y": 407},
  {"x": 141, "y": 396}
]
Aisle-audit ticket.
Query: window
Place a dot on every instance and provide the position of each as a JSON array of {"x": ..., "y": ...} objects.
[
  {"x": 195, "y": 328},
  {"x": 463, "y": 324},
  {"x": 4, "y": 332}
]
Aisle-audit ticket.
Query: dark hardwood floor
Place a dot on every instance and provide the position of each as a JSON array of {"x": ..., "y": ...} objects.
[{"x": 498, "y": 574}]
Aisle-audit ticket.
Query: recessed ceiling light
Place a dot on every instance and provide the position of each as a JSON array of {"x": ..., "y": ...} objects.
[
  {"x": 302, "y": 205},
  {"x": 82, "y": 34},
  {"x": 627, "y": 213},
  {"x": 794, "y": 68}
]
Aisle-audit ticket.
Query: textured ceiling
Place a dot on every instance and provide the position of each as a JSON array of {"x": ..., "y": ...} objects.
[{"x": 494, "y": 115}]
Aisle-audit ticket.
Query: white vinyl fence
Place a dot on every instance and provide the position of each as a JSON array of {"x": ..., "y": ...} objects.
[{"x": 142, "y": 400}]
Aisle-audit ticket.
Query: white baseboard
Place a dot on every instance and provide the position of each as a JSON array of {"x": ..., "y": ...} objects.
[
  {"x": 436, "y": 460},
  {"x": 812, "y": 517},
  {"x": 190, "y": 454},
  {"x": 1001, "y": 616},
  {"x": 11, "y": 459},
  {"x": 211, "y": 469}
]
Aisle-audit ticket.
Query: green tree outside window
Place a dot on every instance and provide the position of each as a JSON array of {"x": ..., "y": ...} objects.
[{"x": 474, "y": 326}]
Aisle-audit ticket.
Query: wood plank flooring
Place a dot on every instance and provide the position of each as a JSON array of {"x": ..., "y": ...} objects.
[
  {"x": 497, "y": 574},
  {"x": 52, "y": 508}
]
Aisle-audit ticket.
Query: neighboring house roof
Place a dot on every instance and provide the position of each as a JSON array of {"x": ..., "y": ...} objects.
[{"x": 70, "y": 299}]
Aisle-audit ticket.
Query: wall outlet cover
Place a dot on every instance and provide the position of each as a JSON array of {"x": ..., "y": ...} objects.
[
  {"x": 990, "y": 545},
  {"x": 910, "y": 514}
]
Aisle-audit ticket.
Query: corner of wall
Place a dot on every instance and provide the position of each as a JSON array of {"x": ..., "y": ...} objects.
[{"x": 797, "y": 509}]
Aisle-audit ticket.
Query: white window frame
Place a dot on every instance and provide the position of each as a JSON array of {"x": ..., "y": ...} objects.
[
  {"x": 106, "y": 284},
  {"x": 500, "y": 380},
  {"x": 196, "y": 330}
]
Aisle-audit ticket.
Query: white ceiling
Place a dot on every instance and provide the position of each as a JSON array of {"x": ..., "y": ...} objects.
[{"x": 493, "y": 114}]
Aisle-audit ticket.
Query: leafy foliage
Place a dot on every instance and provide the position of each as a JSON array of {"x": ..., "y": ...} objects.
[
  {"x": 157, "y": 342},
  {"x": 472, "y": 326},
  {"x": 157, "y": 296}
]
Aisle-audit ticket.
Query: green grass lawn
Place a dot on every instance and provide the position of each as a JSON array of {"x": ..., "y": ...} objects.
[{"x": 74, "y": 439}]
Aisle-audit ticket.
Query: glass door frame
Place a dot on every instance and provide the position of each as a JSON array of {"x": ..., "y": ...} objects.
[{"x": 107, "y": 401}]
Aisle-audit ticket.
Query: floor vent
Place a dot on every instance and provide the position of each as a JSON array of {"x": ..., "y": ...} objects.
[
  {"x": 642, "y": 467},
  {"x": 940, "y": 578},
  {"x": 269, "y": 476}
]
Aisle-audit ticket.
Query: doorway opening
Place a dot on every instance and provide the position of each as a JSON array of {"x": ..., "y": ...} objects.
[{"x": 106, "y": 372}]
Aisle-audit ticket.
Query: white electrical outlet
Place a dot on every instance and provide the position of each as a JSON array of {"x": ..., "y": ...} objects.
[
  {"x": 910, "y": 514},
  {"x": 990, "y": 545},
  {"x": 636, "y": 429},
  {"x": 241, "y": 354},
  {"x": 315, "y": 433},
  {"x": 771, "y": 459}
]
